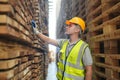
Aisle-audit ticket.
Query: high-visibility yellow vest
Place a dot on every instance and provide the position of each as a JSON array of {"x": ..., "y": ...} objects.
[{"x": 70, "y": 67}]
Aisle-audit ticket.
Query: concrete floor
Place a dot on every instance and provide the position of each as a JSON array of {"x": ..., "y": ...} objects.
[{"x": 52, "y": 69}]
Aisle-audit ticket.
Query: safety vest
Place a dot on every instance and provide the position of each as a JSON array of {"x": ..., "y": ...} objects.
[{"x": 70, "y": 67}]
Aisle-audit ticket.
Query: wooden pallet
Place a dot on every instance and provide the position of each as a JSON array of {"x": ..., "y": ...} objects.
[
  {"x": 104, "y": 14},
  {"x": 104, "y": 34},
  {"x": 108, "y": 63}
]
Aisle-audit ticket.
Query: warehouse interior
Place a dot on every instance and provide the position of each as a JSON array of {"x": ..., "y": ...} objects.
[{"x": 23, "y": 56}]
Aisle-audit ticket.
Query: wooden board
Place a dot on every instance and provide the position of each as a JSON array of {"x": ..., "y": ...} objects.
[
  {"x": 7, "y": 74},
  {"x": 5, "y": 8},
  {"x": 4, "y": 1}
]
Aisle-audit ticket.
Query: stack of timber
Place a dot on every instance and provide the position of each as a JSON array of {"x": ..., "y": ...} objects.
[
  {"x": 15, "y": 61},
  {"x": 37, "y": 67},
  {"x": 104, "y": 37},
  {"x": 21, "y": 52}
]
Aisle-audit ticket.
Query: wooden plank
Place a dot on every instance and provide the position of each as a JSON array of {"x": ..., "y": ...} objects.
[
  {"x": 113, "y": 9},
  {"x": 10, "y": 50},
  {"x": 19, "y": 19},
  {"x": 7, "y": 20},
  {"x": 6, "y": 53},
  {"x": 4, "y": 1},
  {"x": 115, "y": 68},
  {"x": 29, "y": 7},
  {"x": 111, "y": 55},
  {"x": 21, "y": 14},
  {"x": 95, "y": 11},
  {"x": 27, "y": 76},
  {"x": 24, "y": 30},
  {"x": 24, "y": 59},
  {"x": 22, "y": 66},
  {"x": 6, "y": 8},
  {"x": 21, "y": 4},
  {"x": 109, "y": 36},
  {"x": 100, "y": 74},
  {"x": 15, "y": 77},
  {"x": 23, "y": 73},
  {"x": 5, "y": 30},
  {"x": 113, "y": 21},
  {"x": 109, "y": 1},
  {"x": 12, "y": 33},
  {"x": 28, "y": 16},
  {"x": 7, "y": 74},
  {"x": 97, "y": 19},
  {"x": 13, "y": 23},
  {"x": 7, "y": 64},
  {"x": 26, "y": 71}
]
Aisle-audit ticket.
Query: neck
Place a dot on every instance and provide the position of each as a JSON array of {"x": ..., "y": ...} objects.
[{"x": 73, "y": 38}]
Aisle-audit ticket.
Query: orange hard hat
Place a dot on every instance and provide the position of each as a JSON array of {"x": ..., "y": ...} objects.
[{"x": 77, "y": 20}]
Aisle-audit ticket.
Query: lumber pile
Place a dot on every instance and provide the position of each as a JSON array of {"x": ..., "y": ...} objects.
[
  {"x": 21, "y": 52},
  {"x": 104, "y": 37}
]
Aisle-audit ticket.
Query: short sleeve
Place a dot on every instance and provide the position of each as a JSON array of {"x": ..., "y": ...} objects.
[
  {"x": 87, "y": 57},
  {"x": 60, "y": 42}
]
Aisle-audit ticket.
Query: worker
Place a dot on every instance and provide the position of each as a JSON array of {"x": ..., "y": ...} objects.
[{"x": 75, "y": 60}]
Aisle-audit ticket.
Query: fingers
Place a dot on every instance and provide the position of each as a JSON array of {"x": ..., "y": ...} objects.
[{"x": 35, "y": 30}]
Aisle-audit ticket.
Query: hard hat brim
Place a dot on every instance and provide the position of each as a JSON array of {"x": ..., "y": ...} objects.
[{"x": 67, "y": 22}]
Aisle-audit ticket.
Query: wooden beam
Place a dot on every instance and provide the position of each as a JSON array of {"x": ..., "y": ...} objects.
[
  {"x": 7, "y": 64},
  {"x": 4, "y": 1},
  {"x": 6, "y": 8}
]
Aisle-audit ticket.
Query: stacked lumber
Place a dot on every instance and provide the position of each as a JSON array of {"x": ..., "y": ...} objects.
[
  {"x": 104, "y": 37},
  {"x": 37, "y": 68},
  {"x": 13, "y": 21},
  {"x": 21, "y": 52},
  {"x": 15, "y": 61}
]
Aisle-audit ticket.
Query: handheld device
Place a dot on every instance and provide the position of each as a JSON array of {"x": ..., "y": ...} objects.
[{"x": 33, "y": 23}]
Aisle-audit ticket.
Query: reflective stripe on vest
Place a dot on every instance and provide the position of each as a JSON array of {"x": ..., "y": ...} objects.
[{"x": 73, "y": 67}]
